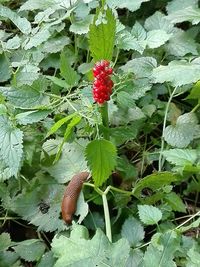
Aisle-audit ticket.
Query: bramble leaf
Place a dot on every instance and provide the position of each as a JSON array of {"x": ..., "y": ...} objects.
[{"x": 101, "y": 156}]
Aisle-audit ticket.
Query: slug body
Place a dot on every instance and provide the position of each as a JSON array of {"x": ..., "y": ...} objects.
[{"x": 71, "y": 195}]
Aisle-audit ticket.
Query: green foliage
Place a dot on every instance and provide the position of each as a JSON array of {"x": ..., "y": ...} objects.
[
  {"x": 78, "y": 250},
  {"x": 143, "y": 159},
  {"x": 101, "y": 157},
  {"x": 102, "y": 35}
]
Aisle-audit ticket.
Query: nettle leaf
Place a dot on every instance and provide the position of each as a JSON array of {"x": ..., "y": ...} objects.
[
  {"x": 163, "y": 252},
  {"x": 142, "y": 66},
  {"x": 102, "y": 35},
  {"x": 5, "y": 71},
  {"x": 101, "y": 156},
  {"x": 177, "y": 72},
  {"x": 149, "y": 215},
  {"x": 26, "y": 75},
  {"x": 21, "y": 23},
  {"x": 181, "y": 44},
  {"x": 54, "y": 45},
  {"x": 29, "y": 205},
  {"x": 11, "y": 139},
  {"x": 13, "y": 43},
  {"x": 158, "y": 21},
  {"x": 154, "y": 181},
  {"x": 125, "y": 40},
  {"x": 9, "y": 258},
  {"x": 47, "y": 260},
  {"x": 177, "y": 5},
  {"x": 131, "y": 5},
  {"x": 181, "y": 134},
  {"x": 30, "y": 117},
  {"x": 181, "y": 157},
  {"x": 5, "y": 241},
  {"x": 189, "y": 13},
  {"x": 27, "y": 97},
  {"x": 30, "y": 250},
  {"x": 71, "y": 161},
  {"x": 135, "y": 258},
  {"x": 38, "y": 38},
  {"x": 133, "y": 231},
  {"x": 175, "y": 202},
  {"x": 78, "y": 250},
  {"x": 67, "y": 72},
  {"x": 156, "y": 38},
  {"x": 81, "y": 26}
]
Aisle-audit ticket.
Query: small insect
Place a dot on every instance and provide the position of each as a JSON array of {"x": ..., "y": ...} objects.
[
  {"x": 44, "y": 207},
  {"x": 71, "y": 195}
]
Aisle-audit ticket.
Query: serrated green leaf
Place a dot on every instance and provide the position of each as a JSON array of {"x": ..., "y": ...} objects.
[
  {"x": 142, "y": 66},
  {"x": 155, "y": 181},
  {"x": 181, "y": 44},
  {"x": 27, "y": 97},
  {"x": 81, "y": 26},
  {"x": 5, "y": 241},
  {"x": 54, "y": 45},
  {"x": 22, "y": 23},
  {"x": 189, "y": 13},
  {"x": 5, "y": 71},
  {"x": 101, "y": 156},
  {"x": 177, "y": 72},
  {"x": 47, "y": 260},
  {"x": 156, "y": 38},
  {"x": 176, "y": 5},
  {"x": 30, "y": 250},
  {"x": 71, "y": 161},
  {"x": 131, "y": 5},
  {"x": 78, "y": 251},
  {"x": 67, "y": 72},
  {"x": 149, "y": 215},
  {"x": 181, "y": 134},
  {"x": 26, "y": 75},
  {"x": 175, "y": 202},
  {"x": 11, "y": 139},
  {"x": 158, "y": 21},
  {"x": 9, "y": 258},
  {"x": 135, "y": 258},
  {"x": 30, "y": 117},
  {"x": 38, "y": 38},
  {"x": 163, "y": 252},
  {"x": 181, "y": 157},
  {"x": 133, "y": 231},
  {"x": 13, "y": 43},
  {"x": 102, "y": 35}
]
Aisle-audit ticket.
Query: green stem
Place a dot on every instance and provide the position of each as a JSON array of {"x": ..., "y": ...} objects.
[
  {"x": 105, "y": 121},
  {"x": 195, "y": 108},
  {"x": 160, "y": 161},
  {"x": 107, "y": 217}
]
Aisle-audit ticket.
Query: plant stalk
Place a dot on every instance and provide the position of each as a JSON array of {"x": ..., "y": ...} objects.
[
  {"x": 107, "y": 217},
  {"x": 105, "y": 120}
]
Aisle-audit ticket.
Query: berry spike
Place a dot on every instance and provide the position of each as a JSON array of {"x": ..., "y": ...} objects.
[{"x": 102, "y": 85}]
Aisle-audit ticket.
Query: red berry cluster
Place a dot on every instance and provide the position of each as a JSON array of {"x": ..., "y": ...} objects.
[{"x": 102, "y": 86}]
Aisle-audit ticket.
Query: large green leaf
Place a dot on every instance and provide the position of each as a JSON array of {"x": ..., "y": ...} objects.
[
  {"x": 154, "y": 181},
  {"x": 71, "y": 161},
  {"x": 181, "y": 157},
  {"x": 67, "y": 72},
  {"x": 133, "y": 231},
  {"x": 149, "y": 215},
  {"x": 22, "y": 23},
  {"x": 162, "y": 252},
  {"x": 30, "y": 250},
  {"x": 178, "y": 73},
  {"x": 131, "y": 5},
  {"x": 101, "y": 156},
  {"x": 5, "y": 72},
  {"x": 78, "y": 251},
  {"x": 11, "y": 139},
  {"x": 102, "y": 35}
]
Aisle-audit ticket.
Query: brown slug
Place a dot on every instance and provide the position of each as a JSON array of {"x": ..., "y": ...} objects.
[{"x": 71, "y": 195}]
